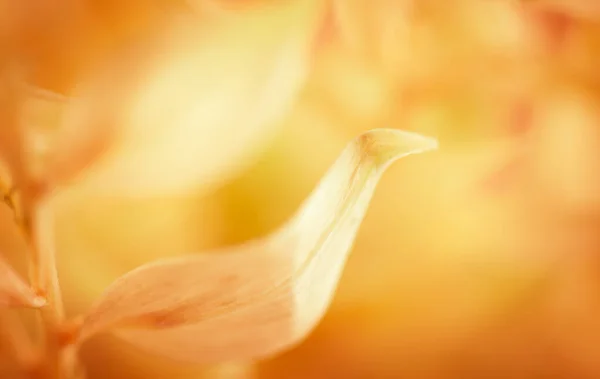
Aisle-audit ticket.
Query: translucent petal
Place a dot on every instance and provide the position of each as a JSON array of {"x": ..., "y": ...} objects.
[
  {"x": 256, "y": 299},
  {"x": 199, "y": 104}
]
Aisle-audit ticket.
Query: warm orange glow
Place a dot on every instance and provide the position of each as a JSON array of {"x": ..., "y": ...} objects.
[{"x": 478, "y": 260}]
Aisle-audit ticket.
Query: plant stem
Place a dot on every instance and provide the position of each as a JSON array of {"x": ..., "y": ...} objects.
[
  {"x": 33, "y": 211},
  {"x": 45, "y": 276},
  {"x": 39, "y": 223}
]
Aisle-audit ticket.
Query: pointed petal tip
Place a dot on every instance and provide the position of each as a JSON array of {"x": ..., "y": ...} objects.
[
  {"x": 390, "y": 144},
  {"x": 414, "y": 142}
]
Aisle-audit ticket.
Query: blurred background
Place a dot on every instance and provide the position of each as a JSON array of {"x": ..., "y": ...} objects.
[{"x": 479, "y": 260}]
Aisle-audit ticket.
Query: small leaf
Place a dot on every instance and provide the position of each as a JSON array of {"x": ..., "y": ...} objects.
[
  {"x": 14, "y": 292},
  {"x": 256, "y": 299}
]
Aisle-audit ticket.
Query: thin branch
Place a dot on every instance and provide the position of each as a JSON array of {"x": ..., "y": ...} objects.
[
  {"x": 39, "y": 225},
  {"x": 70, "y": 365},
  {"x": 34, "y": 216}
]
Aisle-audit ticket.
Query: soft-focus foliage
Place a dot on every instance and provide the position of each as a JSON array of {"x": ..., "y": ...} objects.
[
  {"x": 196, "y": 108},
  {"x": 10, "y": 137},
  {"x": 483, "y": 264}
]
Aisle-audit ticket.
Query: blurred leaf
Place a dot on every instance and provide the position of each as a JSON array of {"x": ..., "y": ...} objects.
[
  {"x": 201, "y": 101},
  {"x": 14, "y": 291},
  {"x": 73, "y": 145},
  {"x": 256, "y": 299}
]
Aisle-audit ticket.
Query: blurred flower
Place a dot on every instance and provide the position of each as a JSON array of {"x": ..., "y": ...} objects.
[{"x": 483, "y": 264}]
